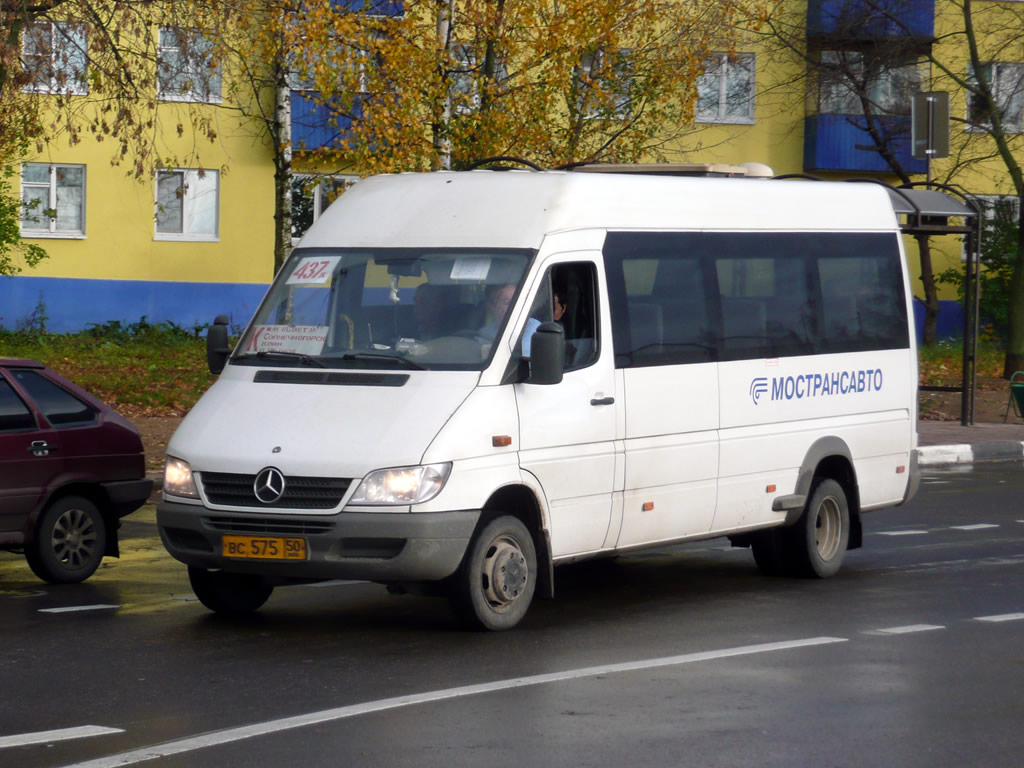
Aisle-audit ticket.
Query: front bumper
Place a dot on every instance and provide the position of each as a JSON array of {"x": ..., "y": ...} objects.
[{"x": 384, "y": 547}]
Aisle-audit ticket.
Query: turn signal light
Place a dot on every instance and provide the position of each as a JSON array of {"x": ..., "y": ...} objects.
[
  {"x": 648, "y": 506},
  {"x": 770, "y": 488},
  {"x": 501, "y": 441},
  {"x": 900, "y": 470}
]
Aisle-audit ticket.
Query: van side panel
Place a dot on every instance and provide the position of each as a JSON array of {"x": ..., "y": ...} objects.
[{"x": 671, "y": 452}]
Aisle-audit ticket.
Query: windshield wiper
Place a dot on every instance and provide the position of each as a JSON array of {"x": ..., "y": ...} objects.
[
  {"x": 300, "y": 356},
  {"x": 383, "y": 356}
]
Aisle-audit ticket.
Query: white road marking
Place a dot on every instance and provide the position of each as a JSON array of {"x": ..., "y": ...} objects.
[
  {"x": 902, "y": 533},
  {"x": 45, "y": 737},
  {"x": 975, "y": 527},
  {"x": 72, "y": 608},
  {"x": 909, "y": 628},
  {"x": 1001, "y": 617},
  {"x": 354, "y": 710}
]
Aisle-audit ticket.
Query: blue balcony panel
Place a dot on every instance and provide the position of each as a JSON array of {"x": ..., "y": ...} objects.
[
  {"x": 841, "y": 143},
  {"x": 315, "y": 126},
  {"x": 372, "y": 7},
  {"x": 871, "y": 19}
]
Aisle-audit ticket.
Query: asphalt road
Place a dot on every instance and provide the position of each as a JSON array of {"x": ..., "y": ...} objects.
[{"x": 912, "y": 656}]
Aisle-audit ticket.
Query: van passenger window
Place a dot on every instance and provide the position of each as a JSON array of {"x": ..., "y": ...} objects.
[
  {"x": 659, "y": 303},
  {"x": 14, "y": 414}
]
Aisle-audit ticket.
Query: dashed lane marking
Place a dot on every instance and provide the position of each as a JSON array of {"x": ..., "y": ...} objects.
[
  {"x": 63, "y": 734},
  {"x": 906, "y": 630},
  {"x": 974, "y": 527},
  {"x": 330, "y": 715},
  {"x": 902, "y": 533},
  {"x": 74, "y": 608},
  {"x": 1001, "y": 617}
]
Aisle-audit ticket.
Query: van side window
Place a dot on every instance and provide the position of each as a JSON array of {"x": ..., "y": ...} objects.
[
  {"x": 659, "y": 301},
  {"x": 568, "y": 296},
  {"x": 59, "y": 407},
  {"x": 767, "y": 294},
  {"x": 14, "y": 414}
]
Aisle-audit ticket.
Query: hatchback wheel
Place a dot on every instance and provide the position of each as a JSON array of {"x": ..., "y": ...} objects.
[{"x": 70, "y": 541}]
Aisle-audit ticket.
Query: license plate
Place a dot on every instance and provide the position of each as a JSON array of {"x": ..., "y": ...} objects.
[{"x": 263, "y": 547}]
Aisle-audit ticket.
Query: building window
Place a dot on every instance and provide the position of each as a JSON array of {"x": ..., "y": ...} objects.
[
  {"x": 888, "y": 87},
  {"x": 54, "y": 56},
  {"x": 310, "y": 197},
  {"x": 725, "y": 91},
  {"x": 604, "y": 85},
  {"x": 187, "y": 69},
  {"x": 187, "y": 204},
  {"x": 1006, "y": 81},
  {"x": 53, "y": 200},
  {"x": 1000, "y": 215}
]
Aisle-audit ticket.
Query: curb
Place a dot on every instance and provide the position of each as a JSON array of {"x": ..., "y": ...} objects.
[{"x": 997, "y": 450}]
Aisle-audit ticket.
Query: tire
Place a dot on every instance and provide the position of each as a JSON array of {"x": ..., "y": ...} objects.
[
  {"x": 70, "y": 541},
  {"x": 771, "y": 553},
  {"x": 229, "y": 594},
  {"x": 819, "y": 538},
  {"x": 498, "y": 577}
]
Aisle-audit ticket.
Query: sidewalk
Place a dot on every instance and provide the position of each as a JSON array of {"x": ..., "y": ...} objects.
[{"x": 946, "y": 442}]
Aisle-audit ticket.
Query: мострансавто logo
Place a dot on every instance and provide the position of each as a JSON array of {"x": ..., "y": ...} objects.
[{"x": 808, "y": 385}]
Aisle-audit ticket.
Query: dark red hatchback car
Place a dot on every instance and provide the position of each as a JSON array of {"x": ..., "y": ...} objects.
[{"x": 70, "y": 469}]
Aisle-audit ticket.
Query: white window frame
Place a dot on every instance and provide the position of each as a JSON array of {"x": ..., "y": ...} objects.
[
  {"x": 320, "y": 191},
  {"x": 47, "y": 226},
  {"x": 206, "y": 84},
  {"x": 1007, "y": 95},
  {"x": 188, "y": 206},
  {"x": 617, "y": 79},
  {"x": 723, "y": 63},
  {"x": 889, "y": 92},
  {"x": 67, "y": 46}
]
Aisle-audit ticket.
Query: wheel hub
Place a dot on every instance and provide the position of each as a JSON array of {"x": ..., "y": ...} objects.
[{"x": 506, "y": 573}]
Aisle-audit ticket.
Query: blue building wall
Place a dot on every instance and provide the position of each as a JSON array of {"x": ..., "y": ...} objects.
[
  {"x": 950, "y": 324},
  {"x": 833, "y": 143},
  {"x": 72, "y": 304},
  {"x": 871, "y": 19}
]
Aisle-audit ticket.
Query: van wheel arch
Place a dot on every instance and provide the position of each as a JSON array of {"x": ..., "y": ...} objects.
[
  {"x": 830, "y": 458},
  {"x": 521, "y": 502}
]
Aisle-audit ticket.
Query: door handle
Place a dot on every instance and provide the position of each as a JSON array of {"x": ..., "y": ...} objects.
[
  {"x": 40, "y": 448},
  {"x": 603, "y": 401}
]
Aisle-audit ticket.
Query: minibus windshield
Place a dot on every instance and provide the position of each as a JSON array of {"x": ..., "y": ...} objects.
[{"x": 400, "y": 308}]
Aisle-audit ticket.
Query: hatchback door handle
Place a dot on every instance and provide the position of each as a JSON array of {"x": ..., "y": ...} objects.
[
  {"x": 603, "y": 401},
  {"x": 41, "y": 448}
]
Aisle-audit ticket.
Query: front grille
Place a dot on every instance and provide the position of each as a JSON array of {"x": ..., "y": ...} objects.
[
  {"x": 284, "y": 526},
  {"x": 234, "y": 490}
]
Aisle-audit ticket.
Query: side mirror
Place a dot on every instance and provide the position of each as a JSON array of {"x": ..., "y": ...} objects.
[
  {"x": 217, "y": 349},
  {"x": 547, "y": 354}
]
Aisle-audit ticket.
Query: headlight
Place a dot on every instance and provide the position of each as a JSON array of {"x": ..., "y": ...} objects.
[
  {"x": 403, "y": 485},
  {"x": 178, "y": 479}
]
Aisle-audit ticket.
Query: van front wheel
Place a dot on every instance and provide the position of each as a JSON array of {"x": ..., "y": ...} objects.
[
  {"x": 822, "y": 533},
  {"x": 495, "y": 585},
  {"x": 229, "y": 594}
]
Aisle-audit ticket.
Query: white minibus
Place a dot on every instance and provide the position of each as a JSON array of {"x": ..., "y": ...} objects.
[{"x": 460, "y": 380}]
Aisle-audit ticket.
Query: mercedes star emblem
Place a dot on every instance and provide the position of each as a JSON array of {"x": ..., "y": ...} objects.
[{"x": 269, "y": 485}]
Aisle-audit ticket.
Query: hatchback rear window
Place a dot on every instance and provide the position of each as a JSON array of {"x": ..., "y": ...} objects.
[
  {"x": 57, "y": 405},
  {"x": 14, "y": 414}
]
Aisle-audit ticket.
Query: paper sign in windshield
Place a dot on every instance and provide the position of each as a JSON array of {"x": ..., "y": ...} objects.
[
  {"x": 300, "y": 339},
  {"x": 313, "y": 270},
  {"x": 471, "y": 268}
]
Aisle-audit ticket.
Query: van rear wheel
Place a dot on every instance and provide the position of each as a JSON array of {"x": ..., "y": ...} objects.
[
  {"x": 497, "y": 579},
  {"x": 229, "y": 594},
  {"x": 820, "y": 537}
]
